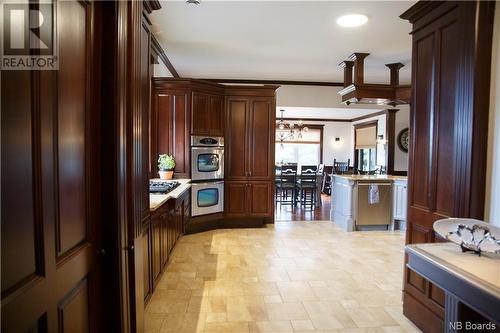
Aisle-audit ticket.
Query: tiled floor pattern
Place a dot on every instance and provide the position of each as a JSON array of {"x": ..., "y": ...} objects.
[{"x": 290, "y": 277}]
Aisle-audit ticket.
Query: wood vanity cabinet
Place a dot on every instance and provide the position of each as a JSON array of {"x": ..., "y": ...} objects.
[
  {"x": 451, "y": 43},
  {"x": 249, "y": 151}
]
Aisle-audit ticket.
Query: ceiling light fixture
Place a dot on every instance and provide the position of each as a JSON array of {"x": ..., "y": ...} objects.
[
  {"x": 352, "y": 20},
  {"x": 289, "y": 130},
  {"x": 196, "y": 2}
]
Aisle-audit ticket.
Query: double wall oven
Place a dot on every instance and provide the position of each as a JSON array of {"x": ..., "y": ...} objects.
[{"x": 207, "y": 174}]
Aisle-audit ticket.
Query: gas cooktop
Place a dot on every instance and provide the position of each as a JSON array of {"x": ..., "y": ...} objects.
[{"x": 156, "y": 187}]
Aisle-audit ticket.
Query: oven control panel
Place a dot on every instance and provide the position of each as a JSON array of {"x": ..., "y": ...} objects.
[{"x": 204, "y": 141}]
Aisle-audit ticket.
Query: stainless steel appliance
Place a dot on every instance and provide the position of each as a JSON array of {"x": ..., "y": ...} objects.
[
  {"x": 207, "y": 198},
  {"x": 162, "y": 187},
  {"x": 207, "y": 158},
  {"x": 371, "y": 215}
]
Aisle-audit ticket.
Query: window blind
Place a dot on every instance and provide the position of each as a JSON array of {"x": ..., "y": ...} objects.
[{"x": 366, "y": 137}]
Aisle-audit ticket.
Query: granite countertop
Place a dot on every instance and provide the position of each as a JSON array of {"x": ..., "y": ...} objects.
[
  {"x": 371, "y": 177},
  {"x": 483, "y": 271},
  {"x": 156, "y": 200}
]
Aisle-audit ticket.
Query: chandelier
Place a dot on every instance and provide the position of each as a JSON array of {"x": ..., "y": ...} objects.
[{"x": 289, "y": 130}]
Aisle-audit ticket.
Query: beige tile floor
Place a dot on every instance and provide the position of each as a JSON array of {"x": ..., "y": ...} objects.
[{"x": 290, "y": 277}]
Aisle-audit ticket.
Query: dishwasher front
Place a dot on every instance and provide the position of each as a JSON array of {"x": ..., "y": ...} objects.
[{"x": 379, "y": 212}]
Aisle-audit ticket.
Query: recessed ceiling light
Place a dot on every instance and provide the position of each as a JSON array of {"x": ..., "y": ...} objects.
[{"x": 352, "y": 20}]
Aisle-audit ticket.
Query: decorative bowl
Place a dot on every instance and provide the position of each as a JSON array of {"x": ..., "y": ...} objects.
[{"x": 470, "y": 234}]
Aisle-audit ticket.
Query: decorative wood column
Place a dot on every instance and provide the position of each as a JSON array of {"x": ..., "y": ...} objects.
[
  {"x": 347, "y": 65},
  {"x": 390, "y": 133},
  {"x": 359, "y": 59}
]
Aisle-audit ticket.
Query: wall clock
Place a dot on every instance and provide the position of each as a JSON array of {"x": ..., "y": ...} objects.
[{"x": 403, "y": 140}]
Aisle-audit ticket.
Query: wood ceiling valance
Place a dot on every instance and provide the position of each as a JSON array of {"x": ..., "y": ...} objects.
[{"x": 356, "y": 91}]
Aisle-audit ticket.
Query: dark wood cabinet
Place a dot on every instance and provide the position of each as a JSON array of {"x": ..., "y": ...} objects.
[
  {"x": 181, "y": 108},
  {"x": 236, "y": 198},
  {"x": 250, "y": 137},
  {"x": 249, "y": 152},
  {"x": 450, "y": 91},
  {"x": 146, "y": 255},
  {"x": 200, "y": 124},
  {"x": 207, "y": 114},
  {"x": 170, "y": 119},
  {"x": 248, "y": 199},
  {"x": 216, "y": 115},
  {"x": 261, "y": 136},
  {"x": 259, "y": 194},
  {"x": 236, "y": 143},
  {"x": 156, "y": 250},
  {"x": 159, "y": 238}
]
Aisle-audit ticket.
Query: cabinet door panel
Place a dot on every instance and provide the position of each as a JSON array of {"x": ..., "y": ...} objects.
[
  {"x": 236, "y": 138},
  {"x": 164, "y": 239},
  {"x": 236, "y": 199},
  {"x": 261, "y": 134},
  {"x": 216, "y": 115},
  {"x": 156, "y": 248},
  {"x": 181, "y": 139},
  {"x": 201, "y": 118},
  {"x": 169, "y": 133},
  {"x": 261, "y": 199},
  {"x": 146, "y": 242}
]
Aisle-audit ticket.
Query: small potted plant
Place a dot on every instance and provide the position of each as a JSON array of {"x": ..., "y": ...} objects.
[{"x": 166, "y": 166}]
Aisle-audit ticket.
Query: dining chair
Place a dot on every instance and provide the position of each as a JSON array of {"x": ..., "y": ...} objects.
[
  {"x": 286, "y": 185},
  {"x": 341, "y": 167},
  {"x": 307, "y": 186}
]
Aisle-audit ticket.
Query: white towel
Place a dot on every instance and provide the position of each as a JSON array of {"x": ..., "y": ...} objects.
[{"x": 373, "y": 195}]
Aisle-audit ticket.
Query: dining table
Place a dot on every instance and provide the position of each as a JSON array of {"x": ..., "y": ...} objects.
[{"x": 319, "y": 183}]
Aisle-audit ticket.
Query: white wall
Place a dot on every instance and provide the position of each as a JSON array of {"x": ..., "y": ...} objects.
[
  {"x": 402, "y": 122},
  {"x": 309, "y": 96},
  {"x": 492, "y": 207}
]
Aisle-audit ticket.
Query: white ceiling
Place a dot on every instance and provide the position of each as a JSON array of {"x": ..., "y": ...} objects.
[
  {"x": 281, "y": 40},
  {"x": 323, "y": 113}
]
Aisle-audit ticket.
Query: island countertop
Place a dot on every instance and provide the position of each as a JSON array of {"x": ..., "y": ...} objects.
[
  {"x": 371, "y": 177},
  {"x": 156, "y": 200}
]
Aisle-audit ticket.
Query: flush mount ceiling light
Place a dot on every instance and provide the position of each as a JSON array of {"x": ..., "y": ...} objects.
[
  {"x": 352, "y": 20},
  {"x": 196, "y": 2}
]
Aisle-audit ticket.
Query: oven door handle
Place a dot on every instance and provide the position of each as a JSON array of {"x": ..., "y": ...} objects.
[
  {"x": 220, "y": 182},
  {"x": 207, "y": 148}
]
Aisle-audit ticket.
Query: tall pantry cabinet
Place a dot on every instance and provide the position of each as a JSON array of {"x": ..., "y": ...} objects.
[{"x": 451, "y": 56}]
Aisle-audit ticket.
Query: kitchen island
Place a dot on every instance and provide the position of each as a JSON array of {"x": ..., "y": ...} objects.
[{"x": 352, "y": 210}]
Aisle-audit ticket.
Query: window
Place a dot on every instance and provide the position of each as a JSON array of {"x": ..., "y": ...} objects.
[
  {"x": 303, "y": 151},
  {"x": 367, "y": 159},
  {"x": 366, "y": 146}
]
